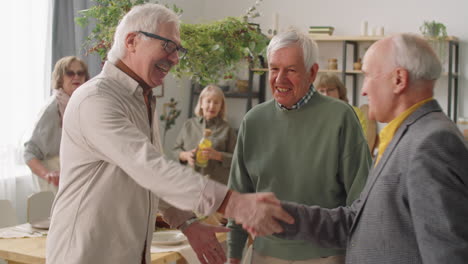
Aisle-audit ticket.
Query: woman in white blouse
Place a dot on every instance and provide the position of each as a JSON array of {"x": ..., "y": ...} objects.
[{"x": 41, "y": 150}]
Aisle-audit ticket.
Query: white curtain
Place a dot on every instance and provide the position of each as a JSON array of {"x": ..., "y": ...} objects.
[{"x": 25, "y": 69}]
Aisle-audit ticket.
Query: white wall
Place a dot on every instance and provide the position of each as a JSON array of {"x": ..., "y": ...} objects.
[
  {"x": 346, "y": 16},
  {"x": 176, "y": 88}
]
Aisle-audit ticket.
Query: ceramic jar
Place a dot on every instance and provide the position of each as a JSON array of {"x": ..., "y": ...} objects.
[
  {"x": 357, "y": 65},
  {"x": 333, "y": 64},
  {"x": 242, "y": 86}
]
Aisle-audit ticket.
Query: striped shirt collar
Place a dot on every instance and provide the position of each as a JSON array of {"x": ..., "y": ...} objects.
[{"x": 301, "y": 102}]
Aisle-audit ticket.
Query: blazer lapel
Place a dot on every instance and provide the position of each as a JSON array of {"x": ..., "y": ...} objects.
[{"x": 431, "y": 106}]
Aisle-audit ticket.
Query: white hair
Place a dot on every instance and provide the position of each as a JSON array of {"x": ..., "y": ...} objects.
[
  {"x": 146, "y": 17},
  {"x": 416, "y": 55},
  {"x": 292, "y": 37}
]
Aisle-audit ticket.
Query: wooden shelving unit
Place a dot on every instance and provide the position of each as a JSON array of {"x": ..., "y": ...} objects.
[
  {"x": 345, "y": 38},
  {"x": 248, "y": 96},
  {"x": 354, "y": 41}
]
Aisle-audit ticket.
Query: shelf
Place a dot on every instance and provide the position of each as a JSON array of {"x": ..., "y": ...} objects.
[
  {"x": 455, "y": 75},
  {"x": 346, "y": 38},
  {"x": 448, "y": 38},
  {"x": 320, "y": 71},
  {"x": 452, "y": 75},
  {"x": 359, "y": 38},
  {"x": 259, "y": 69},
  {"x": 340, "y": 71}
]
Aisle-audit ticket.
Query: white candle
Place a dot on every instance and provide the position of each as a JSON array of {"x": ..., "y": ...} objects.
[
  {"x": 381, "y": 31},
  {"x": 364, "y": 28}
]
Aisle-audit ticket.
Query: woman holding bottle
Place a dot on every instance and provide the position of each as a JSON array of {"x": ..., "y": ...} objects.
[{"x": 209, "y": 124}]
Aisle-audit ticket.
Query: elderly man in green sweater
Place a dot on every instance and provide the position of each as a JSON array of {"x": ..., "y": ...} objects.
[{"x": 302, "y": 146}]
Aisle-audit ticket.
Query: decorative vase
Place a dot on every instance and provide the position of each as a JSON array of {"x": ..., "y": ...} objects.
[
  {"x": 242, "y": 86},
  {"x": 357, "y": 65},
  {"x": 333, "y": 64}
]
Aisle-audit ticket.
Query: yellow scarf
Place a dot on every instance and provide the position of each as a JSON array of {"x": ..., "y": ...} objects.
[{"x": 388, "y": 132}]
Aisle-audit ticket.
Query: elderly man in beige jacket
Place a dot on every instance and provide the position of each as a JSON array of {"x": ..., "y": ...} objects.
[{"x": 113, "y": 171}]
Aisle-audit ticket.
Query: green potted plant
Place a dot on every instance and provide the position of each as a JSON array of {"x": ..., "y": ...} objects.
[
  {"x": 433, "y": 29},
  {"x": 214, "y": 48},
  {"x": 436, "y": 33}
]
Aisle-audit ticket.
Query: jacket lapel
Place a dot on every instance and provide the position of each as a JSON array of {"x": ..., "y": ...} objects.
[{"x": 374, "y": 174}]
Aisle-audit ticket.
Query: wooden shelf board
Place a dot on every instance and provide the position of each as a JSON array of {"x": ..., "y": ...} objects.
[
  {"x": 455, "y": 74},
  {"x": 259, "y": 69},
  {"x": 343, "y": 38},
  {"x": 360, "y": 72},
  {"x": 360, "y": 38},
  {"x": 330, "y": 71},
  {"x": 449, "y": 38},
  {"x": 339, "y": 71}
]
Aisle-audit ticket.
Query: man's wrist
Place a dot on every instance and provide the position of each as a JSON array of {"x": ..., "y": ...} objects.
[
  {"x": 188, "y": 223},
  {"x": 222, "y": 207}
]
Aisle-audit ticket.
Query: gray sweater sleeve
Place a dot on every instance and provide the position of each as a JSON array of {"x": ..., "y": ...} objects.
[
  {"x": 47, "y": 132},
  {"x": 326, "y": 227}
]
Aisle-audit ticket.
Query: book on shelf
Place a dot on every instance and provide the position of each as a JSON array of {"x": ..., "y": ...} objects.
[
  {"x": 320, "y": 32},
  {"x": 325, "y": 30},
  {"x": 313, "y": 35},
  {"x": 321, "y": 27}
]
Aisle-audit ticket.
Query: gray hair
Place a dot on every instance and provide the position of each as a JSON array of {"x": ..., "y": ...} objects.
[
  {"x": 416, "y": 55},
  {"x": 291, "y": 37},
  {"x": 146, "y": 17}
]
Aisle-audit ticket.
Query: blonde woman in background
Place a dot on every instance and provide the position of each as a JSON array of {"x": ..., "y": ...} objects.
[
  {"x": 210, "y": 114},
  {"x": 329, "y": 84},
  {"x": 41, "y": 150}
]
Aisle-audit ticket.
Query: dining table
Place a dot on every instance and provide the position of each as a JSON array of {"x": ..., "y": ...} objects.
[{"x": 32, "y": 250}]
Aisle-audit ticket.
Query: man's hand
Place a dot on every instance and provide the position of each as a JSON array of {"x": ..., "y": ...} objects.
[
  {"x": 258, "y": 212},
  {"x": 53, "y": 177},
  {"x": 234, "y": 261},
  {"x": 203, "y": 240}
]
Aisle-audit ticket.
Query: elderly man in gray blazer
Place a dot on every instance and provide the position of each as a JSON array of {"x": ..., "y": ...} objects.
[{"x": 414, "y": 207}]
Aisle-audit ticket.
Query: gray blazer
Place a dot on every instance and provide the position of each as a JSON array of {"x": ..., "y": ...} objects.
[{"x": 414, "y": 207}]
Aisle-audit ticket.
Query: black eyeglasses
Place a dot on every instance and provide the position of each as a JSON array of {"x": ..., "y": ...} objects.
[
  {"x": 72, "y": 74},
  {"x": 169, "y": 45}
]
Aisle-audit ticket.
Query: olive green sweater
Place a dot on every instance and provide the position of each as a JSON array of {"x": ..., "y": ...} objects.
[{"x": 315, "y": 155}]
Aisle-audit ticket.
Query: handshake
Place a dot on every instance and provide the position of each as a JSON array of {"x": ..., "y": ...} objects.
[{"x": 259, "y": 213}]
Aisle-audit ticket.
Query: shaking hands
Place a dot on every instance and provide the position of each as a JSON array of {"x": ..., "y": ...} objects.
[{"x": 259, "y": 213}]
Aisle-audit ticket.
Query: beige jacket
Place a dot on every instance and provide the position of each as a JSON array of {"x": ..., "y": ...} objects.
[{"x": 112, "y": 173}]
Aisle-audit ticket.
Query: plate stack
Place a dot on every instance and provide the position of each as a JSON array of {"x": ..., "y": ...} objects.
[{"x": 320, "y": 31}]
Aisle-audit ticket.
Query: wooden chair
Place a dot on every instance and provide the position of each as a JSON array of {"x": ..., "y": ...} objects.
[
  {"x": 8, "y": 214},
  {"x": 39, "y": 205}
]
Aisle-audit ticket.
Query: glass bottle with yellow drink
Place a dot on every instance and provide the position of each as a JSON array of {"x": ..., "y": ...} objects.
[{"x": 200, "y": 159}]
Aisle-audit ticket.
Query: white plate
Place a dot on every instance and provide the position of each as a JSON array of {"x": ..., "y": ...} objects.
[
  {"x": 167, "y": 238},
  {"x": 43, "y": 224}
]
